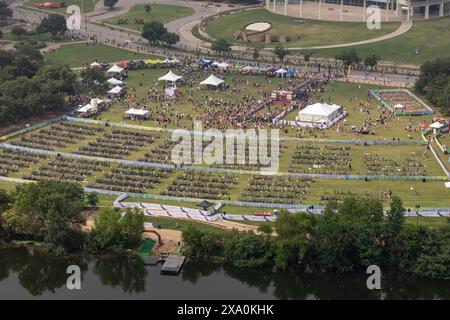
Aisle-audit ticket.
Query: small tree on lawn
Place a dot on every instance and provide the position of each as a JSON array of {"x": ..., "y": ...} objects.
[
  {"x": 255, "y": 54},
  {"x": 147, "y": 8},
  {"x": 18, "y": 31},
  {"x": 54, "y": 24},
  {"x": 221, "y": 45},
  {"x": 153, "y": 31},
  {"x": 371, "y": 61},
  {"x": 281, "y": 52}
]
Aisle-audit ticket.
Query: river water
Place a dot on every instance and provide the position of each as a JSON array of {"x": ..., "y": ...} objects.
[{"x": 27, "y": 273}]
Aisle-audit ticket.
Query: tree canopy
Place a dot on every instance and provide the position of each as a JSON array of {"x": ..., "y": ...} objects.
[
  {"x": 221, "y": 45},
  {"x": 434, "y": 82},
  {"x": 29, "y": 86},
  {"x": 48, "y": 211},
  {"x": 5, "y": 12},
  {"x": 55, "y": 24}
]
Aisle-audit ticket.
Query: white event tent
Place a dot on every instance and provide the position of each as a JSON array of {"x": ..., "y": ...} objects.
[
  {"x": 281, "y": 71},
  {"x": 95, "y": 65},
  {"x": 115, "y": 90},
  {"x": 221, "y": 65},
  {"x": 137, "y": 113},
  {"x": 92, "y": 106},
  {"x": 212, "y": 81},
  {"x": 319, "y": 112},
  {"x": 115, "y": 82},
  {"x": 115, "y": 69},
  {"x": 170, "y": 77}
]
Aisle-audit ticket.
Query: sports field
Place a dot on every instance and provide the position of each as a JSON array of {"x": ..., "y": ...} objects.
[{"x": 307, "y": 32}]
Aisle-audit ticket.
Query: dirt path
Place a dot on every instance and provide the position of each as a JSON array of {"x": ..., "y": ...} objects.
[{"x": 169, "y": 238}]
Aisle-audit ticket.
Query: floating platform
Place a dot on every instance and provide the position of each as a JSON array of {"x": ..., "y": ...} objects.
[{"x": 173, "y": 264}]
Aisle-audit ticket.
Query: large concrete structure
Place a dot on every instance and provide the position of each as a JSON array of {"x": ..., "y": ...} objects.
[{"x": 356, "y": 10}]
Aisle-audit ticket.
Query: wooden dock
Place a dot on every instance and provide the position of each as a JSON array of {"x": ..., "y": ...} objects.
[{"x": 173, "y": 264}]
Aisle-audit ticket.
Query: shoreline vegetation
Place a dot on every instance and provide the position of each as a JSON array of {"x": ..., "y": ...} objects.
[{"x": 350, "y": 236}]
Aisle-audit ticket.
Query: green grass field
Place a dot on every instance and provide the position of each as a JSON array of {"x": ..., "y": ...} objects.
[
  {"x": 36, "y": 37},
  {"x": 429, "y": 193},
  {"x": 78, "y": 55},
  {"x": 160, "y": 13},
  {"x": 309, "y": 32},
  {"x": 431, "y": 39},
  {"x": 87, "y": 5}
]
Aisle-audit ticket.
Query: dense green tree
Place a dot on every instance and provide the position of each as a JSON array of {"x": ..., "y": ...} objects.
[
  {"x": 94, "y": 79},
  {"x": 18, "y": 31},
  {"x": 153, "y": 31},
  {"x": 281, "y": 52},
  {"x": 5, "y": 12},
  {"x": 266, "y": 230},
  {"x": 55, "y": 24},
  {"x": 434, "y": 261},
  {"x": 114, "y": 231},
  {"x": 48, "y": 211},
  {"x": 349, "y": 57},
  {"x": 434, "y": 82},
  {"x": 293, "y": 239},
  {"x": 147, "y": 8},
  {"x": 201, "y": 243},
  {"x": 6, "y": 200},
  {"x": 255, "y": 54},
  {"x": 221, "y": 46},
  {"x": 29, "y": 86},
  {"x": 248, "y": 250},
  {"x": 371, "y": 61},
  {"x": 170, "y": 38},
  {"x": 92, "y": 199},
  {"x": 1, "y": 34}
]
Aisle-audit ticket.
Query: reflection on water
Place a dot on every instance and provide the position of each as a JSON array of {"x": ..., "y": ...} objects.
[{"x": 28, "y": 273}]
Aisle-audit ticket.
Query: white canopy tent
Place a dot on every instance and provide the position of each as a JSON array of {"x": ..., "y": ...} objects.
[
  {"x": 281, "y": 71},
  {"x": 221, "y": 65},
  {"x": 247, "y": 68},
  {"x": 115, "y": 90},
  {"x": 212, "y": 81},
  {"x": 447, "y": 184},
  {"x": 115, "y": 69},
  {"x": 437, "y": 125},
  {"x": 115, "y": 82},
  {"x": 170, "y": 77},
  {"x": 171, "y": 61},
  {"x": 92, "y": 106},
  {"x": 95, "y": 65},
  {"x": 319, "y": 112},
  {"x": 137, "y": 113}
]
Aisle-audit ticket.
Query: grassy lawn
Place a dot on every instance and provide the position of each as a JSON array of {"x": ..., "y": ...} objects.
[
  {"x": 140, "y": 81},
  {"x": 78, "y": 55},
  {"x": 88, "y": 5},
  {"x": 37, "y": 37},
  {"x": 161, "y": 13},
  {"x": 428, "y": 194},
  {"x": 349, "y": 96},
  {"x": 430, "y": 37},
  {"x": 308, "y": 32}
]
